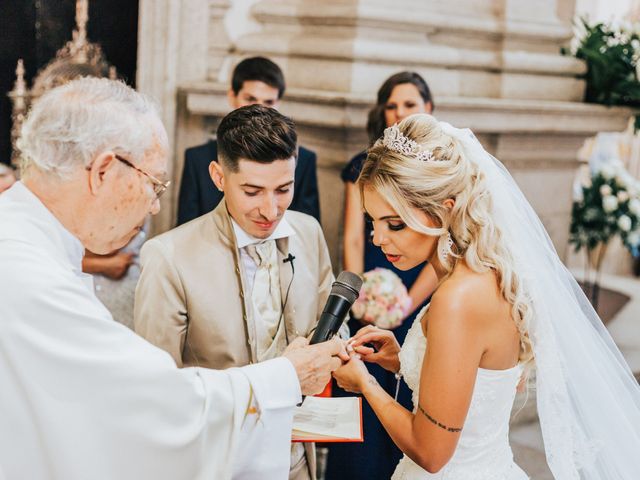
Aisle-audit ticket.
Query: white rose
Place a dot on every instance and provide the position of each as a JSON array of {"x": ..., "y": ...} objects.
[
  {"x": 633, "y": 238},
  {"x": 623, "y": 196},
  {"x": 605, "y": 190},
  {"x": 634, "y": 207},
  {"x": 624, "y": 222},
  {"x": 610, "y": 204},
  {"x": 608, "y": 171},
  {"x": 578, "y": 193}
]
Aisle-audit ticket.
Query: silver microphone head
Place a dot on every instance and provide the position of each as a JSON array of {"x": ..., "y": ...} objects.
[{"x": 347, "y": 285}]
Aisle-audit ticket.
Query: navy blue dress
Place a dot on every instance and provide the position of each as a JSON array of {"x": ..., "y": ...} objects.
[{"x": 378, "y": 456}]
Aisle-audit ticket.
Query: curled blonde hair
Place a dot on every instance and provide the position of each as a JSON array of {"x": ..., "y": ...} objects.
[{"x": 409, "y": 183}]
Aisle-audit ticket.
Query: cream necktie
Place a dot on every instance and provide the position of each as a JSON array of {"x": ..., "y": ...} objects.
[{"x": 265, "y": 294}]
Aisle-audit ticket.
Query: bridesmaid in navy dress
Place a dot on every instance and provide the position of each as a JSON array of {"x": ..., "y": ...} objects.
[{"x": 401, "y": 95}]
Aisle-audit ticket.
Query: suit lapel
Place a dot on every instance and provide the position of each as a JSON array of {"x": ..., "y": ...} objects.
[
  {"x": 222, "y": 222},
  {"x": 286, "y": 276}
]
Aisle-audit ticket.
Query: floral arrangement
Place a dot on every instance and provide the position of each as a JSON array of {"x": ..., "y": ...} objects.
[
  {"x": 611, "y": 55},
  {"x": 607, "y": 204},
  {"x": 383, "y": 299}
]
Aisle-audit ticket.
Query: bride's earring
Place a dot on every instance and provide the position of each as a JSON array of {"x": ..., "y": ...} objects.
[{"x": 445, "y": 245}]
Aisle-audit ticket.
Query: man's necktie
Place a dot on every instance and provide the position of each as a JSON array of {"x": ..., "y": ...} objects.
[{"x": 265, "y": 294}]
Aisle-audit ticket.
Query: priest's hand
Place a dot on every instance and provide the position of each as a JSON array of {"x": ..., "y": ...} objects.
[{"x": 314, "y": 363}]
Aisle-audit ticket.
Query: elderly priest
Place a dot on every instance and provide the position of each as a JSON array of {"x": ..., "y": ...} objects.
[{"x": 83, "y": 396}]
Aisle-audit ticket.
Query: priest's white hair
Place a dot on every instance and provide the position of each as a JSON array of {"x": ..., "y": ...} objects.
[{"x": 70, "y": 125}]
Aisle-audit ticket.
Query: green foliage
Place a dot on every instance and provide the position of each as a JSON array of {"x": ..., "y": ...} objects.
[
  {"x": 611, "y": 57},
  {"x": 609, "y": 206}
]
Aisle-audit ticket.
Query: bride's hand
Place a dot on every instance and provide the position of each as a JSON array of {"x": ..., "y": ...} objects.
[
  {"x": 353, "y": 375},
  {"x": 386, "y": 347}
]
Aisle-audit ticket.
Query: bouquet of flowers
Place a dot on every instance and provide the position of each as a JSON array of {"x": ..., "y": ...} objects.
[
  {"x": 607, "y": 204},
  {"x": 383, "y": 299}
]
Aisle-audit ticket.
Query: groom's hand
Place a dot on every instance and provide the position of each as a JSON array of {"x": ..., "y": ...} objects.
[{"x": 314, "y": 363}]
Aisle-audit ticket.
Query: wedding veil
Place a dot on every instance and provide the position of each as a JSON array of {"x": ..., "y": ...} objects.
[{"x": 588, "y": 400}]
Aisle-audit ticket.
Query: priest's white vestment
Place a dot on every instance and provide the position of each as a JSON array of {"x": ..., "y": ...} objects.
[{"x": 83, "y": 397}]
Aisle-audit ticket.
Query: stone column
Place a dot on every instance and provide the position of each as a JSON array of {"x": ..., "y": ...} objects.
[{"x": 179, "y": 41}]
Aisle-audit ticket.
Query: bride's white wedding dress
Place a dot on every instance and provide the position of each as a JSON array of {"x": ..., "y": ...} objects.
[{"x": 483, "y": 451}]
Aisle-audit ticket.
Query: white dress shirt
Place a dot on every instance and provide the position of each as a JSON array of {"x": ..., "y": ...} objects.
[
  {"x": 85, "y": 397},
  {"x": 243, "y": 239},
  {"x": 264, "y": 340},
  {"x": 249, "y": 267}
]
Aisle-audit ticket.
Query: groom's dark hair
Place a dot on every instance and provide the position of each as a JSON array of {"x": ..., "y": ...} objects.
[{"x": 256, "y": 133}]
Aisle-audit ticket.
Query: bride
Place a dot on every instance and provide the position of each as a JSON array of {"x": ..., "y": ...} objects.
[{"x": 506, "y": 310}]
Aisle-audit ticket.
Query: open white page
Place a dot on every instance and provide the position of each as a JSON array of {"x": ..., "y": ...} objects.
[{"x": 328, "y": 419}]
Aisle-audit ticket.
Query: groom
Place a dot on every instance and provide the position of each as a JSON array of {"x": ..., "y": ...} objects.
[{"x": 271, "y": 263}]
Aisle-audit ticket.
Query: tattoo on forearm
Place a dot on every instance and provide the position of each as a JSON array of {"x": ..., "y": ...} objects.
[
  {"x": 372, "y": 381},
  {"x": 437, "y": 423}
]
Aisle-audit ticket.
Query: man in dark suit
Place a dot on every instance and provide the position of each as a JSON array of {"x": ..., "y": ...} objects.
[{"x": 255, "y": 80}]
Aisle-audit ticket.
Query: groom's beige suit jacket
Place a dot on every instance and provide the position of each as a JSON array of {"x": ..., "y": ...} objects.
[{"x": 190, "y": 298}]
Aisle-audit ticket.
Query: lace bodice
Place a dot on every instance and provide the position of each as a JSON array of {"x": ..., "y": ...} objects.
[{"x": 483, "y": 451}]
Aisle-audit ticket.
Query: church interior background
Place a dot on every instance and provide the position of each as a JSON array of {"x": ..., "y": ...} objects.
[
  {"x": 34, "y": 30},
  {"x": 496, "y": 69}
]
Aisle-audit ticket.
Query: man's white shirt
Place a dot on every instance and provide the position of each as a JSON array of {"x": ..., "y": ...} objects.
[
  {"x": 249, "y": 267},
  {"x": 243, "y": 240}
]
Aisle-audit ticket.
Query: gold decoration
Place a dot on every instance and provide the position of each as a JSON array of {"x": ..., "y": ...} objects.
[{"x": 77, "y": 58}]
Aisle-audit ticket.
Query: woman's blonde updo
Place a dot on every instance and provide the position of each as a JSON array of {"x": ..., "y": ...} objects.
[{"x": 408, "y": 182}]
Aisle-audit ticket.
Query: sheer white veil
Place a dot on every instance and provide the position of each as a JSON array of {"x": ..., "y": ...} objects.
[{"x": 588, "y": 400}]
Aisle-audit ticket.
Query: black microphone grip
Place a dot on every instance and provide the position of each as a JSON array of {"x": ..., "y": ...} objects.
[{"x": 331, "y": 319}]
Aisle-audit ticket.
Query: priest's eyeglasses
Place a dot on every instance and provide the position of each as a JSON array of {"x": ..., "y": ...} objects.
[{"x": 158, "y": 187}]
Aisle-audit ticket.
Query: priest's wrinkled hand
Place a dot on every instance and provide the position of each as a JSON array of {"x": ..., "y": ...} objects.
[{"x": 314, "y": 363}]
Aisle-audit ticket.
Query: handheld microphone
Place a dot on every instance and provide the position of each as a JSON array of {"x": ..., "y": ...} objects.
[{"x": 344, "y": 292}]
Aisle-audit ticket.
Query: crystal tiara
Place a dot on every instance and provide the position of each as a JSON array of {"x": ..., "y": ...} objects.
[{"x": 394, "y": 140}]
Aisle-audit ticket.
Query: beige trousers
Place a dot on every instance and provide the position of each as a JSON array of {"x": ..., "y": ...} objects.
[{"x": 300, "y": 471}]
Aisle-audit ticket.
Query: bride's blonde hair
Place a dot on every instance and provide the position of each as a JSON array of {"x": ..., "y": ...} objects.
[{"x": 408, "y": 182}]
